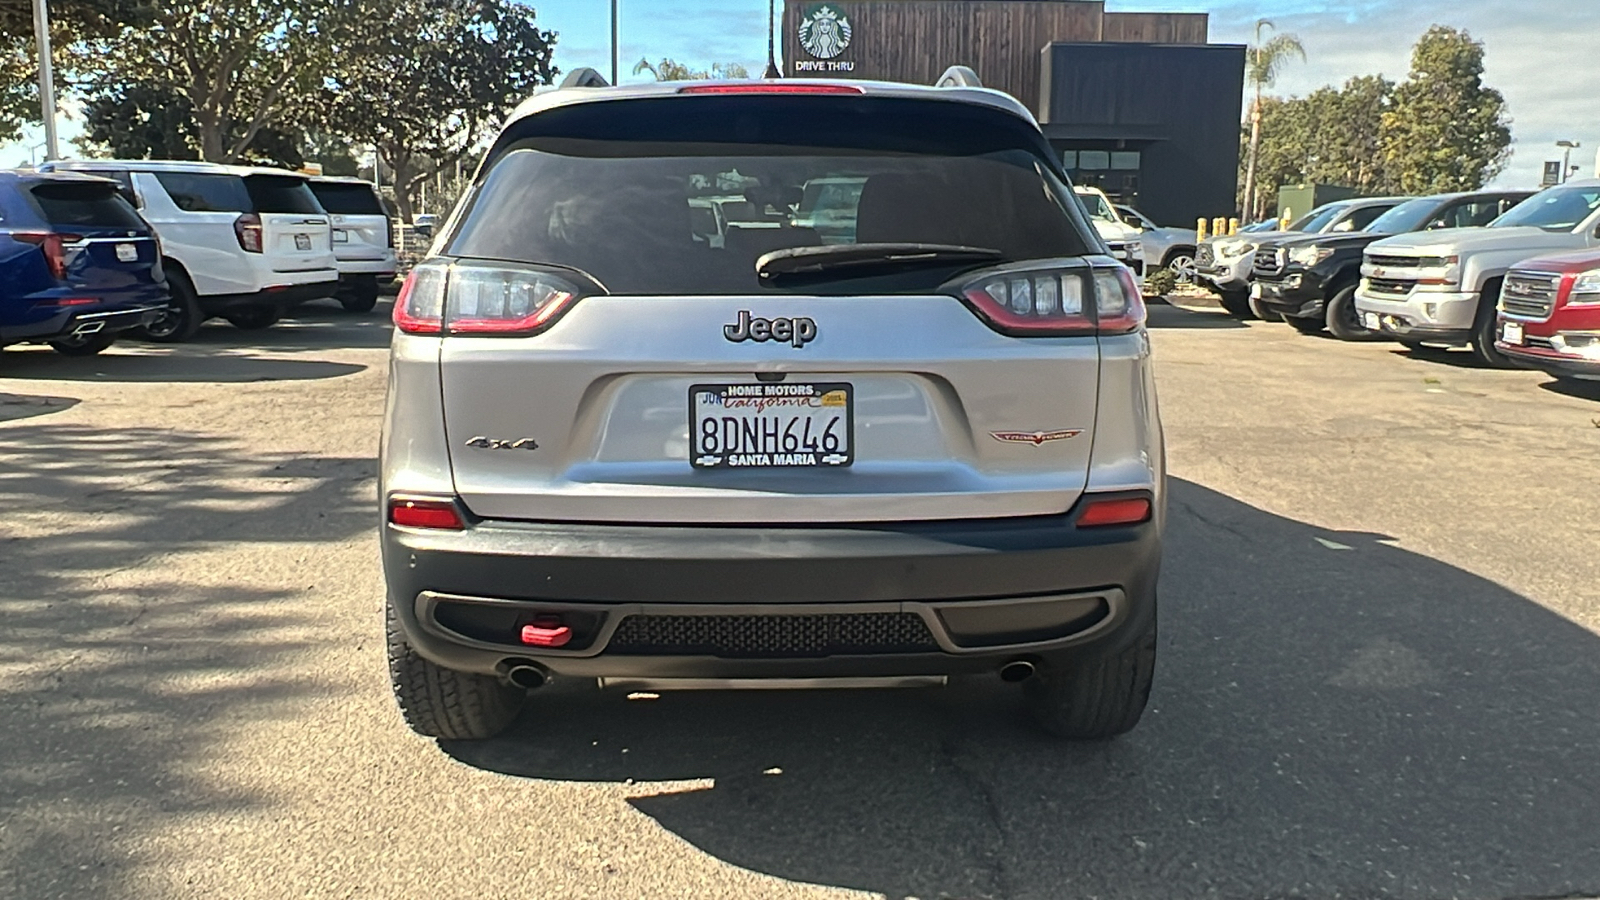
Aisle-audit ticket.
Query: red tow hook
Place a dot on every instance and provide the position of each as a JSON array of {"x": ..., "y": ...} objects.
[{"x": 546, "y": 631}]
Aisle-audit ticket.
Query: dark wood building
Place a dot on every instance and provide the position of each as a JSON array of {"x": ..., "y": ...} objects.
[{"x": 1142, "y": 90}]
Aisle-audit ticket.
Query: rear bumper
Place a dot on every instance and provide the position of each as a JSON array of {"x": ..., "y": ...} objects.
[
  {"x": 987, "y": 591},
  {"x": 94, "y": 320},
  {"x": 366, "y": 266},
  {"x": 282, "y": 298}
]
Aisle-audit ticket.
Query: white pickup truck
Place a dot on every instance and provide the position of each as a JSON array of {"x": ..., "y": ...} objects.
[{"x": 1443, "y": 287}]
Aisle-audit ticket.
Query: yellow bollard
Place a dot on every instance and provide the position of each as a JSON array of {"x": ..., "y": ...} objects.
[
  {"x": 1200, "y": 231},
  {"x": 1219, "y": 226},
  {"x": 1288, "y": 216},
  {"x": 1233, "y": 226}
]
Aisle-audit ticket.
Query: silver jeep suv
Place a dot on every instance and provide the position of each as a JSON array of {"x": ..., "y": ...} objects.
[{"x": 922, "y": 446}]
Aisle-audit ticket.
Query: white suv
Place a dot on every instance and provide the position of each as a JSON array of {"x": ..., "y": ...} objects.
[
  {"x": 245, "y": 244},
  {"x": 363, "y": 238}
]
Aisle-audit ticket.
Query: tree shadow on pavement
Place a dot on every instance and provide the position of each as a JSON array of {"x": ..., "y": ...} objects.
[
  {"x": 1354, "y": 722},
  {"x": 26, "y": 406},
  {"x": 157, "y": 364},
  {"x": 121, "y": 667},
  {"x": 319, "y": 325}
]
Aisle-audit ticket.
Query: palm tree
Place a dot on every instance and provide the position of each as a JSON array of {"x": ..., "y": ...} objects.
[{"x": 1264, "y": 61}]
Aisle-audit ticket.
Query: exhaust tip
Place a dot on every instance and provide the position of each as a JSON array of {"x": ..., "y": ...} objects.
[
  {"x": 1016, "y": 671},
  {"x": 526, "y": 675}
]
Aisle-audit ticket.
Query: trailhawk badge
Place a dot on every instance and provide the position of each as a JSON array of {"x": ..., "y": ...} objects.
[
  {"x": 1036, "y": 438},
  {"x": 825, "y": 31}
]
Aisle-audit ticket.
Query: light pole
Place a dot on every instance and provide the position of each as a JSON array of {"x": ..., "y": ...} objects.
[
  {"x": 1566, "y": 157},
  {"x": 772, "y": 33},
  {"x": 47, "y": 87},
  {"x": 615, "y": 50}
]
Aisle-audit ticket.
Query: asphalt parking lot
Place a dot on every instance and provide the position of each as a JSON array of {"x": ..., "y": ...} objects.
[{"x": 1380, "y": 669}]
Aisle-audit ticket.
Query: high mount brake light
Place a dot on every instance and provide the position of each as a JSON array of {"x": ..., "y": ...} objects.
[
  {"x": 1050, "y": 301},
  {"x": 54, "y": 246},
  {"x": 247, "y": 228},
  {"x": 771, "y": 87},
  {"x": 470, "y": 298}
]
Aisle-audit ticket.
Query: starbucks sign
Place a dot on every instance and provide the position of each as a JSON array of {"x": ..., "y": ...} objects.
[{"x": 825, "y": 33}]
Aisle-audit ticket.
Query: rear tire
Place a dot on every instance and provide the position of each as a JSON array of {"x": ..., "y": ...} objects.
[
  {"x": 1484, "y": 329},
  {"x": 1097, "y": 693},
  {"x": 361, "y": 297},
  {"x": 1344, "y": 320},
  {"x": 255, "y": 318},
  {"x": 443, "y": 703},
  {"x": 86, "y": 346},
  {"x": 1305, "y": 325},
  {"x": 1181, "y": 261},
  {"x": 1236, "y": 303},
  {"x": 182, "y": 317}
]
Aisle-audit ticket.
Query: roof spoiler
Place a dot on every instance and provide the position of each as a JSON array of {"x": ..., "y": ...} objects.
[
  {"x": 584, "y": 78},
  {"x": 958, "y": 76}
]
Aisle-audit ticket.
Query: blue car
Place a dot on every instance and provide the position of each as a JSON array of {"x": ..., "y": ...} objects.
[{"x": 78, "y": 265}]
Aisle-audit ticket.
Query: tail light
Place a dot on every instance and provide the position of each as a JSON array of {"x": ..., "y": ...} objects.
[
  {"x": 471, "y": 298},
  {"x": 247, "y": 228},
  {"x": 436, "y": 513},
  {"x": 1059, "y": 300},
  {"x": 54, "y": 245}
]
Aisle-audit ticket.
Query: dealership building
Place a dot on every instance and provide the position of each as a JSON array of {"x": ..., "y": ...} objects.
[{"x": 1138, "y": 104}]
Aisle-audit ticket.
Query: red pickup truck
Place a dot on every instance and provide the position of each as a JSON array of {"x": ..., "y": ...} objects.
[{"x": 1550, "y": 315}]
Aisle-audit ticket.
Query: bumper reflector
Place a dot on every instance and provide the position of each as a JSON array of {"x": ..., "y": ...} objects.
[
  {"x": 435, "y": 514},
  {"x": 546, "y": 633},
  {"x": 1119, "y": 511}
]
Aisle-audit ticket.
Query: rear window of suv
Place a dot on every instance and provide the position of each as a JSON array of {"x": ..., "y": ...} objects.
[
  {"x": 205, "y": 191},
  {"x": 281, "y": 194},
  {"x": 606, "y": 188},
  {"x": 346, "y": 199},
  {"x": 85, "y": 205}
]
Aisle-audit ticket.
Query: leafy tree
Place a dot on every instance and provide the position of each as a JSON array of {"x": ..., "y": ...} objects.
[
  {"x": 236, "y": 65},
  {"x": 156, "y": 121},
  {"x": 1264, "y": 60},
  {"x": 1446, "y": 131},
  {"x": 1346, "y": 125},
  {"x": 425, "y": 81},
  {"x": 71, "y": 21},
  {"x": 671, "y": 70}
]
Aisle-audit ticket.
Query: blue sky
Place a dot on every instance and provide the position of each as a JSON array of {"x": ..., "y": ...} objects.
[{"x": 1541, "y": 53}]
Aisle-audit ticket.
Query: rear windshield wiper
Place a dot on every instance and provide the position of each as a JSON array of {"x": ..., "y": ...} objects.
[{"x": 854, "y": 259}]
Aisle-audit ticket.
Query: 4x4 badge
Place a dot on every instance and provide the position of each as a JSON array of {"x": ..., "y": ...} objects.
[{"x": 797, "y": 331}]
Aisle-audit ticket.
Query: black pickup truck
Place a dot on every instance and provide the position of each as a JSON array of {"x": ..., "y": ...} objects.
[{"x": 1311, "y": 280}]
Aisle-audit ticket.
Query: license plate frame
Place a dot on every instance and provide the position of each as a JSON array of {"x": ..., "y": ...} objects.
[
  {"x": 809, "y": 411},
  {"x": 1513, "y": 333},
  {"x": 302, "y": 242},
  {"x": 1372, "y": 321},
  {"x": 127, "y": 253}
]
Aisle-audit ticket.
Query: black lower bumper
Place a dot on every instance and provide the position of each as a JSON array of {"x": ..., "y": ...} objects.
[
  {"x": 1404, "y": 330},
  {"x": 282, "y": 299},
  {"x": 826, "y": 601},
  {"x": 1303, "y": 302},
  {"x": 69, "y": 323}
]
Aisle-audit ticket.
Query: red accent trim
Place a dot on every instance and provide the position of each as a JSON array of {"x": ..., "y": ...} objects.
[
  {"x": 1120, "y": 511},
  {"x": 440, "y": 515},
  {"x": 546, "y": 633},
  {"x": 771, "y": 87}
]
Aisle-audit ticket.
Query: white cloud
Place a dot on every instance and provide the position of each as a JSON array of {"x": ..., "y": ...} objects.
[{"x": 1539, "y": 53}]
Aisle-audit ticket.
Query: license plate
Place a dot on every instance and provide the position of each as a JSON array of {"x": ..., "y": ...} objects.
[
  {"x": 1370, "y": 320},
  {"x": 772, "y": 426},
  {"x": 1512, "y": 333},
  {"x": 340, "y": 236},
  {"x": 302, "y": 242},
  {"x": 127, "y": 253},
  {"x": 1255, "y": 291}
]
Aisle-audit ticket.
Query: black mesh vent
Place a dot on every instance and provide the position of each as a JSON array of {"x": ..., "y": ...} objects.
[{"x": 770, "y": 637}]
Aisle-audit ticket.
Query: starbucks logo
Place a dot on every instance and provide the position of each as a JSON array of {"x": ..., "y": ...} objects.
[{"x": 825, "y": 32}]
